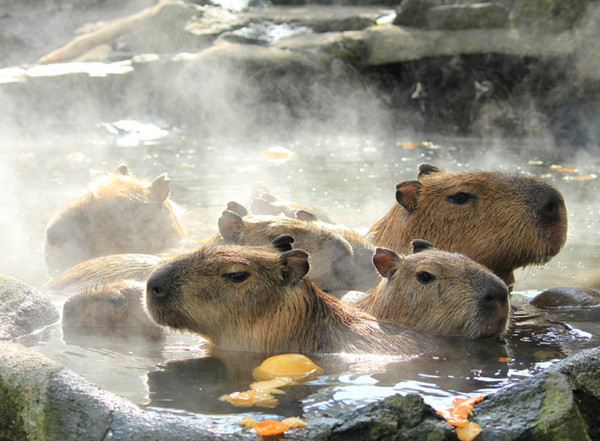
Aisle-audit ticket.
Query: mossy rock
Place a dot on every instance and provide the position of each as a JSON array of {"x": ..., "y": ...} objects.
[{"x": 560, "y": 14}]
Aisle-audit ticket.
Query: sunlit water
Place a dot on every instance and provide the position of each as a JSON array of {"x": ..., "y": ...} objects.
[{"x": 353, "y": 178}]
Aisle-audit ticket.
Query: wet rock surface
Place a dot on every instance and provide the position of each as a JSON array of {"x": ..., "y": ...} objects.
[{"x": 23, "y": 309}]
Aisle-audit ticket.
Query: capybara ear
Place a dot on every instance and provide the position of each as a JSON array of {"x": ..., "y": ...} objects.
[
  {"x": 295, "y": 266},
  {"x": 237, "y": 208},
  {"x": 385, "y": 261},
  {"x": 268, "y": 197},
  {"x": 282, "y": 242},
  {"x": 419, "y": 245},
  {"x": 123, "y": 170},
  {"x": 306, "y": 216},
  {"x": 231, "y": 226},
  {"x": 261, "y": 206},
  {"x": 257, "y": 190},
  {"x": 427, "y": 169},
  {"x": 407, "y": 193},
  {"x": 160, "y": 188}
]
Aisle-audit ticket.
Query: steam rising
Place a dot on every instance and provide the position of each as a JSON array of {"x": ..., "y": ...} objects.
[{"x": 352, "y": 147}]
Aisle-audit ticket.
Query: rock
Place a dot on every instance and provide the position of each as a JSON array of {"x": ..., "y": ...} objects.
[
  {"x": 320, "y": 18},
  {"x": 561, "y": 403},
  {"x": 559, "y": 14},
  {"x": 566, "y": 297},
  {"x": 479, "y": 15},
  {"x": 393, "y": 44},
  {"x": 394, "y": 418},
  {"x": 23, "y": 309},
  {"x": 413, "y": 13}
]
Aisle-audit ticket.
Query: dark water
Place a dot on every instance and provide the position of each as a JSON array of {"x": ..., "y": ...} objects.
[{"x": 354, "y": 178}]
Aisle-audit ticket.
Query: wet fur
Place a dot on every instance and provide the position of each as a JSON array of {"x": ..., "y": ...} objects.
[
  {"x": 451, "y": 304},
  {"x": 118, "y": 214},
  {"x": 500, "y": 229},
  {"x": 271, "y": 311}
]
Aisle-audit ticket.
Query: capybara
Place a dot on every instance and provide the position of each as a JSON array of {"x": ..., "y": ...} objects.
[
  {"x": 107, "y": 269},
  {"x": 119, "y": 214},
  {"x": 501, "y": 221},
  {"x": 257, "y": 299},
  {"x": 113, "y": 309},
  {"x": 437, "y": 291},
  {"x": 340, "y": 257},
  {"x": 566, "y": 297},
  {"x": 264, "y": 202}
]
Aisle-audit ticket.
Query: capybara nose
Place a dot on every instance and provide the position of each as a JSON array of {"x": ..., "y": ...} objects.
[
  {"x": 494, "y": 295},
  {"x": 551, "y": 207},
  {"x": 157, "y": 286}
]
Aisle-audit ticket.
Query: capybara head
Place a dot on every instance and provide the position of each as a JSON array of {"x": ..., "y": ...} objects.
[
  {"x": 119, "y": 214},
  {"x": 268, "y": 205},
  {"x": 257, "y": 300},
  {"x": 111, "y": 309},
  {"x": 501, "y": 221},
  {"x": 228, "y": 294},
  {"x": 340, "y": 258},
  {"x": 439, "y": 292}
]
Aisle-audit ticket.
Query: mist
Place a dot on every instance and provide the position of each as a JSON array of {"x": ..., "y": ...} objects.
[{"x": 207, "y": 113}]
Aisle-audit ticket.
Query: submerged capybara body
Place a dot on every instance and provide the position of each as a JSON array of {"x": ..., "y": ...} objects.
[
  {"x": 257, "y": 300},
  {"x": 119, "y": 214},
  {"x": 107, "y": 269},
  {"x": 340, "y": 257},
  {"x": 113, "y": 309},
  {"x": 266, "y": 204},
  {"x": 501, "y": 221},
  {"x": 437, "y": 291}
]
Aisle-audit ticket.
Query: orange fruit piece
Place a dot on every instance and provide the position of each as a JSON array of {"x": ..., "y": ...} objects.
[
  {"x": 458, "y": 414},
  {"x": 270, "y": 427},
  {"x": 468, "y": 432}
]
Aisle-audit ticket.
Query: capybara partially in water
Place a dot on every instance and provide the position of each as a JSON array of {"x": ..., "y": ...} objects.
[
  {"x": 437, "y": 291},
  {"x": 257, "y": 300},
  {"x": 112, "y": 309},
  {"x": 119, "y": 214},
  {"x": 267, "y": 204},
  {"x": 340, "y": 257},
  {"x": 562, "y": 297},
  {"x": 501, "y": 221},
  {"x": 88, "y": 274}
]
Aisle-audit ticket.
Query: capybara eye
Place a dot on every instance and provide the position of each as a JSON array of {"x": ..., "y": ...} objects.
[
  {"x": 424, "y": 277},
  {"x": 117, "y": 301},
  {"x": 461, "y": 198},
  {"x": 237, "y": 277}
]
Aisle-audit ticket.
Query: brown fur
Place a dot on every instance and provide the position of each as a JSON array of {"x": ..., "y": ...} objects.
[
  {"x": 115, "y": 308},
  {"x": 511, "y": 221},
  {"x": 340, "y": 258},
  {"x": 439, "y": 292},
  {"x": 119, "y": 214},
  {"x": 108, "y": 269},
  {"x": 274, "y": 309}
]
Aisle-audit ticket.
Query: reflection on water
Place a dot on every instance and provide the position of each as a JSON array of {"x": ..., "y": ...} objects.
[{"x": 354, "y": 178}]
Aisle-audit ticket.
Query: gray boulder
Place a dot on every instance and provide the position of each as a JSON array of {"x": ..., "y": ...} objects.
[
  {"x": 479, "y": 15},
  {"x": 23, "y": 309}
]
